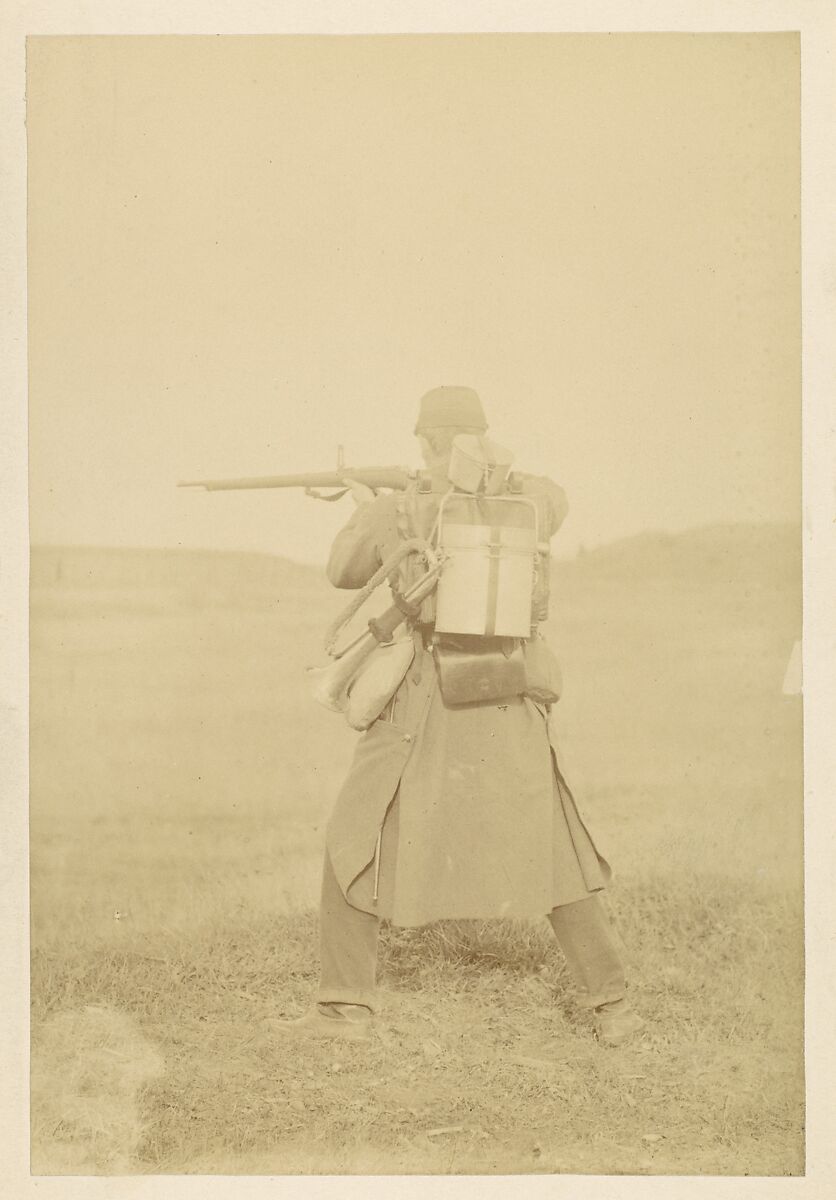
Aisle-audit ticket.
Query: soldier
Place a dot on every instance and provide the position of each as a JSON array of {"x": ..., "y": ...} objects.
[{"x": 452, "y": 811}]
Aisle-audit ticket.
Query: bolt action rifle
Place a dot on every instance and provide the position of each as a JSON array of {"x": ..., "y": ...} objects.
[
  {"x": 334, "y": 685},
  {"x": 396, "y": 478}
]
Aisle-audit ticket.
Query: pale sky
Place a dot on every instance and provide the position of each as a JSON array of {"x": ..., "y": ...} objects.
[{"x": 246, "y": 250}]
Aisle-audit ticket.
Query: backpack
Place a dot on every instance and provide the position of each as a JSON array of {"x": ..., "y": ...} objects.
[{"x": 498, "y": 571}]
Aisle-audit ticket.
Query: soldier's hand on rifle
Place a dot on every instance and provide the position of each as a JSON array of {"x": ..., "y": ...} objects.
[{"x": 360, "y": 494}]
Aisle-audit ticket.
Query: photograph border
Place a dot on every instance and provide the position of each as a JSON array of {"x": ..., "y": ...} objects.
[{"x": 816, "y": 23}]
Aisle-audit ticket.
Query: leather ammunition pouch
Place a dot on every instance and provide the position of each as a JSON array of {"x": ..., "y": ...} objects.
[{"x": 473, "y": 668}]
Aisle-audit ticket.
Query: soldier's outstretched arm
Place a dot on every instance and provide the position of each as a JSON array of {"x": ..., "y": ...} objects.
[
  {"x": 357, "y": 551},
  {"x": 558, "y": 504}
]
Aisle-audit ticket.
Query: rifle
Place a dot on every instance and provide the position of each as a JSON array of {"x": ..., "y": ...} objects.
[{"x": 396, "y": 478}]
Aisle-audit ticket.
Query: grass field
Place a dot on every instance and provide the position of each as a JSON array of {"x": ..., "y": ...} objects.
[{"x": 180, "y": 784}]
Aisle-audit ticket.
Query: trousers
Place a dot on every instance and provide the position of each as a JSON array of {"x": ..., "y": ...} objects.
[{"x": 349, "y": 940}]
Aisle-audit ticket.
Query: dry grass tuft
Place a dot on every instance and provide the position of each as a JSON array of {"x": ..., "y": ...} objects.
[{"x": 88, "y": 1067}]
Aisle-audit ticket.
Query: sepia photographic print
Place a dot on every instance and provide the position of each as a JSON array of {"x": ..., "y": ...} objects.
[{"x": 416, "y": 762}]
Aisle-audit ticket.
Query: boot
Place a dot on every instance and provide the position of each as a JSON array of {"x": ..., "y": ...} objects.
[
  {"x": 346, "y": 1022},
  {"x": 617, "y": 1022}
]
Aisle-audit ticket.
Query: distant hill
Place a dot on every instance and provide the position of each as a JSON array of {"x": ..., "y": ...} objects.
[
  {"x": 760, "y": 552},
  {"x": 119, "y": 567},
  {"x": 711, "y": 555}
]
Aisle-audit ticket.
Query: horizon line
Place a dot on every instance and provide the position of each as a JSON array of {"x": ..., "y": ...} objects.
[{"x": 580, "y": 550}]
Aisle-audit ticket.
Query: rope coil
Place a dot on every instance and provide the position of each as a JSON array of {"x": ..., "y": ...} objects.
[{"x": 412, "y": 546}]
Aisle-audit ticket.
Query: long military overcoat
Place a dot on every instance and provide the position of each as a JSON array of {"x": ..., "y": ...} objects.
[{"x": 452, "y": 812}]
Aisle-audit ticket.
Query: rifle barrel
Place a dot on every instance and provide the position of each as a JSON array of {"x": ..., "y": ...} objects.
[{"x": 389, "y": 477}]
